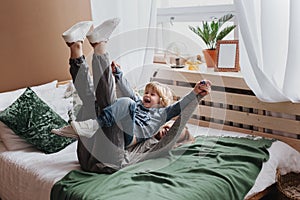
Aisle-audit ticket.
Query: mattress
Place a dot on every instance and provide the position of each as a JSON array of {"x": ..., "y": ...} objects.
[
  {"x": 25, "y": 172},
  {"x": 30, "y": 174}
]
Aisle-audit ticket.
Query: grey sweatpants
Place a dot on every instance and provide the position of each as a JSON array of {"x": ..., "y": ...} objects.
[{"x": 104, "y": 152}]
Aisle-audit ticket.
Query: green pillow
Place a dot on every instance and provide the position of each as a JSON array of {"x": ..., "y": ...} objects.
[{"x": 32, "y": 119}]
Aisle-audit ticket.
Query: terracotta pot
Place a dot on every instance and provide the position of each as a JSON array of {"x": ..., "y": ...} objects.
[{"x": 210, "y": 56}]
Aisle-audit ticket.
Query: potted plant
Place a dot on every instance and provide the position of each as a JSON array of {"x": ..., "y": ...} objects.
[{"x": 210, "y": 33}]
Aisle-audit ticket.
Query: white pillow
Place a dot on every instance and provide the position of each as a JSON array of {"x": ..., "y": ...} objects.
[
  {"x": 45, "y": 86},
  {"x": 2, "y": 147},
  {"x": 7, "y": 98},
  {"x": 12, "y": 141},
  {"x": 56, "y": 100}
]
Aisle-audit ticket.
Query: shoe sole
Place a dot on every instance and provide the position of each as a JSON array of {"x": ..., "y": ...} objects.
[
  {"x": 94, "y": 37},
  {"x": 77, "y": 32}
]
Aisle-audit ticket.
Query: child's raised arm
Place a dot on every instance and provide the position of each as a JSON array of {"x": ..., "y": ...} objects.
[
  {"x": 201, "y": 89},
  {"x": 122, "y": 83}
]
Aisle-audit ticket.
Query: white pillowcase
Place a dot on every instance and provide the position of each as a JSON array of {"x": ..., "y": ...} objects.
[
  {"x": 55, "y": 98},
  {"x": 11, "y": 141},
  {"x": 2, "y": 147},
  {"x": 7, "y": 98},
  {"x": 45, "y": 86}
]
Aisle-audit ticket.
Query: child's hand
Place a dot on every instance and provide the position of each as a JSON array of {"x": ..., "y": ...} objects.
[
  {"x": 203, "y": 87},
  {"x": 162, "y": 131}
]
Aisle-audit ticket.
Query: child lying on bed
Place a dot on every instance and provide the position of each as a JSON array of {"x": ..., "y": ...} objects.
[{"x": 140, "y": 118}]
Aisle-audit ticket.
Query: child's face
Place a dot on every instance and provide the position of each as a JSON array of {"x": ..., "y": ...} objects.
[{"x": 150, "y": 98}]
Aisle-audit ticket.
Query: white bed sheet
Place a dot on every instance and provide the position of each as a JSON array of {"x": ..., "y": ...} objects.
[{"x": 30, "y": 175}]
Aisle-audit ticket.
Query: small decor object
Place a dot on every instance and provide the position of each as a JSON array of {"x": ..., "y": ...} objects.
[
  {"x": 227, "y": 56},
  {"x": 193, "y": 64},
  {"x": 288, "y": 185},
  {"x": 210, "y": 56},
  {"x": 210, "y": 33},
  {"x": 175, "y": 54},
  {"x": 177, "y": 63}
]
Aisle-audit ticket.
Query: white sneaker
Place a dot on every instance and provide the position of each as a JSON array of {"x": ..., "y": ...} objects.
[
  {"x": 66, "y": 131},
  {"x": 103, "y": 32},
  {"x": 77, "y": 32},
  {"x": 85, "y": 128}
]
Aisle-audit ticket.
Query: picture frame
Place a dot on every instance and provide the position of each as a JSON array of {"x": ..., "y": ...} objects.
[{"x": 227, "y": 56}]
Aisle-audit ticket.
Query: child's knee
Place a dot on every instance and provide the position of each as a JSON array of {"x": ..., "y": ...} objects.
[
  {"x": 129, "y": 103},
  {"x": 126, "y": 101}
]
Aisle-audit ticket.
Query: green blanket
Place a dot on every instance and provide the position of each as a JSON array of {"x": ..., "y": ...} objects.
[{"x": 211, "y": 168}]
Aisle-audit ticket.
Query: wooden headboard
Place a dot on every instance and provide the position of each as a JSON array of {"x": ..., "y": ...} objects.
[{"x": 233, "y": 106}]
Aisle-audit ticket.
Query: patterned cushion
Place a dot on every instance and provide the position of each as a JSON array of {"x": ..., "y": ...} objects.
[{"x": 32, "y": 119}]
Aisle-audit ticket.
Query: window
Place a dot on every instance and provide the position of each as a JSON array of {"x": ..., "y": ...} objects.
[{"x": 174, "y": 17}]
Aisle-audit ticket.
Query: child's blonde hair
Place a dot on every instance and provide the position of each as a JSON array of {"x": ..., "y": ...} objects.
[{"x": 163, "y": 91}]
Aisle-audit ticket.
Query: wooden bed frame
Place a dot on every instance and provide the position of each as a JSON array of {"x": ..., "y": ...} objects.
[{"x": 233, "y": 106}]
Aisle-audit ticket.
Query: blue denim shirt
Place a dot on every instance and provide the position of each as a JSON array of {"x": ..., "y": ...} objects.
[{"x": 149, "y": 120}]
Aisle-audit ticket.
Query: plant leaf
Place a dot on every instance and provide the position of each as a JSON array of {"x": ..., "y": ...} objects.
[
  {"x": 225, "y": 32},
  {"x": 224, "y": 19},
  {"x": 210, "y": 32}
]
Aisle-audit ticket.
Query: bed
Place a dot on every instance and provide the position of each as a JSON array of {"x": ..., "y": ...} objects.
[{"x": 27, "y": 172}]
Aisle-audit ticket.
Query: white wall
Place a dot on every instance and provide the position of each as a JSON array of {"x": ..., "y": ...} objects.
[{"x": 130, "y": 42}]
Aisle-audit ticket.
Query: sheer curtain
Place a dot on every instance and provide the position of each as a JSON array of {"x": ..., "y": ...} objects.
[
  {"x": 270, "y": 46},
  {"x": 132, "y": 43}
]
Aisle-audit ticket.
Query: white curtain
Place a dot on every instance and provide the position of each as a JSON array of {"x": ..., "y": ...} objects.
[
  {"x": 269, "y": 48},
  {"x": 132, "y": 43}
]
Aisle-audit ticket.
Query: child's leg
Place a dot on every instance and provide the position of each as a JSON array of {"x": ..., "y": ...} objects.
[
  {"x": 121, "y": 112},
  {"x": 161, "y": 148}
]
